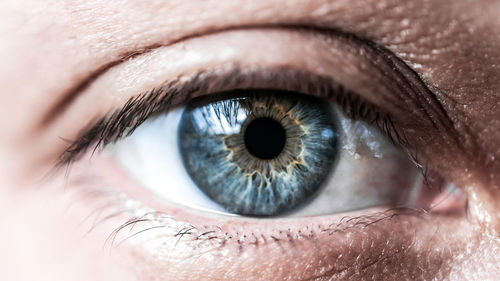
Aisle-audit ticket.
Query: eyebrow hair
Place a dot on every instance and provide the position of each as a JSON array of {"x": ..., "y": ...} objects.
[{"x": 71, "y": 95}]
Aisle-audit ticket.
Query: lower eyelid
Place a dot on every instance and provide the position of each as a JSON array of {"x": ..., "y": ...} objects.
[{"x": 348, "y": 245}]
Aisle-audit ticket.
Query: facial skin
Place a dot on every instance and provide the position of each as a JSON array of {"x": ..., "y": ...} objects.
[{"x": 67, "y": 63}]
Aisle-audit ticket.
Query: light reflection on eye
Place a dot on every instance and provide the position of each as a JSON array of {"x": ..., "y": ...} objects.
[{"x": 205, "y": 163}]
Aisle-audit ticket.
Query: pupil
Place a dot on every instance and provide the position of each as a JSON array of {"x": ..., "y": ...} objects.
[{"x": 265, "y": 138}]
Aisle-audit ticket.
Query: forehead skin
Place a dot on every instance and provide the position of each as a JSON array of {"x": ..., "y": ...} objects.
[{"x": 46, "y": 47}]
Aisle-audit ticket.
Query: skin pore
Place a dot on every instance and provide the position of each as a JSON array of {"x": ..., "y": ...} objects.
[{"x": 67, "y": 63}]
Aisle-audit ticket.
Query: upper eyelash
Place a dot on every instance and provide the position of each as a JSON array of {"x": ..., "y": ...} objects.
[{"x": 123, "y": 122}]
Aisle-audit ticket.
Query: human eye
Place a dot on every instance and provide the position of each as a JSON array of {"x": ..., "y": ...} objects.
[
  {"x": 253, "y": 154},
  {"x": 264, "y": 152}
]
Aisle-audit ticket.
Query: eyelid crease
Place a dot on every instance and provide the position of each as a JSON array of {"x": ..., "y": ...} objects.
[{"x": 138, "y": 109}]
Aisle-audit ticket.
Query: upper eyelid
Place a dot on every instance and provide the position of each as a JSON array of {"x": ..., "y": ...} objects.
[{"x": 70, "y": 96}]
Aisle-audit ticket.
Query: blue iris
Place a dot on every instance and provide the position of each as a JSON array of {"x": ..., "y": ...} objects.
[{"x": 258, "y": 152}]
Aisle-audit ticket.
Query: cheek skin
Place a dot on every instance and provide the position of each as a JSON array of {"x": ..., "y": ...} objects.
[
  {"x": 176, "y": 244},
  {"x": 43, "y": 237}
]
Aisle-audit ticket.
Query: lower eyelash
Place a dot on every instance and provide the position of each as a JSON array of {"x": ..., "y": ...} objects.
[{"x": 215, "y": 237}]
